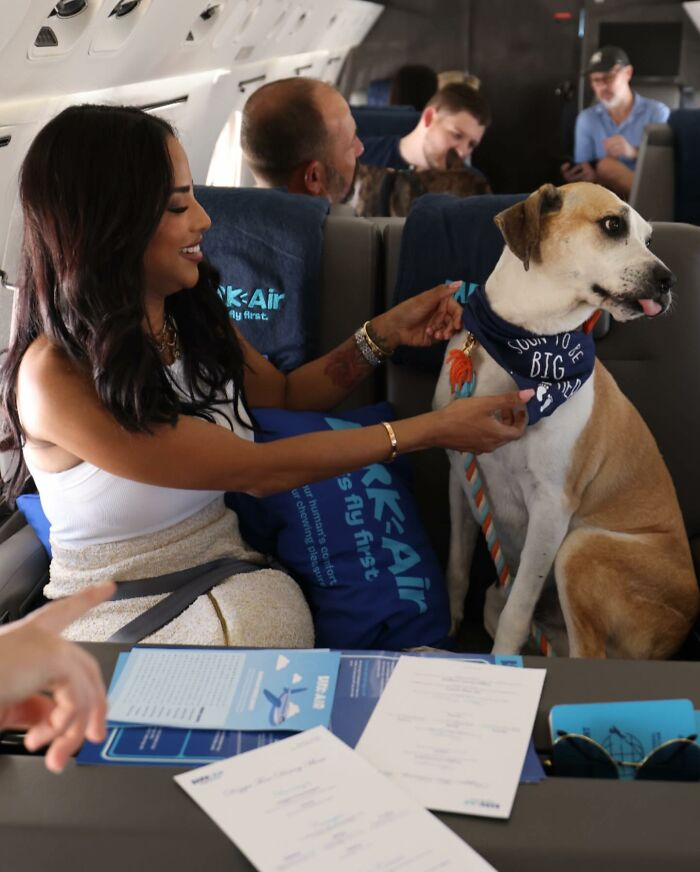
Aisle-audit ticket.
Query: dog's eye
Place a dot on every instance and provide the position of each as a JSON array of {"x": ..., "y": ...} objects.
[
  {"x": 613, "y": 225},
  {"x": 648, "y": 242}
]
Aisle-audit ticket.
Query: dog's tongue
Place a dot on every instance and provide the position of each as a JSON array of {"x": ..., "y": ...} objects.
[{"x": 650, "y": 307}]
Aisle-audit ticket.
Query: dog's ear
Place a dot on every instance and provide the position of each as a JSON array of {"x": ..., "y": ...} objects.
[{"x": 521, "y": 225}]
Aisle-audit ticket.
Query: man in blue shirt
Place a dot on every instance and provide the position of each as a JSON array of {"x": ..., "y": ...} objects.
[{"x": 608, "y": 133}]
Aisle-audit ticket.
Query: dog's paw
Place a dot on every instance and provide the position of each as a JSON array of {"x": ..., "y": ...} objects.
[
  {"x": 508, "y": 643},
  {"x": 505, "y": 650},
  {"x": 456, "y": 614},
  {"x": 455, "y": 624}
]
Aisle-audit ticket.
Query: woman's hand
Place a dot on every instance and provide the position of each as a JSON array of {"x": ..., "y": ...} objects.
[
  {"x": 426, "y": 318},
  {"x": 35, "y": 661},
  {"x": 482, "y": 424}
]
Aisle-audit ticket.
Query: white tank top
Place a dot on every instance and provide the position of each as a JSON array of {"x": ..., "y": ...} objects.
[{"x": 86, "y": 505}]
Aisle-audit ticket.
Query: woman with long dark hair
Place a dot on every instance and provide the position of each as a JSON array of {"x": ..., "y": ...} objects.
[{"x": 127, "y": 388}]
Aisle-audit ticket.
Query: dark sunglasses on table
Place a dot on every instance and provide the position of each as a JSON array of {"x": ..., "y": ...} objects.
[{"x": 578, "y": 756}]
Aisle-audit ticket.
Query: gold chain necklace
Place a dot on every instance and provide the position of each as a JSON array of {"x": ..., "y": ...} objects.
[{"x": 166, "y": 339}]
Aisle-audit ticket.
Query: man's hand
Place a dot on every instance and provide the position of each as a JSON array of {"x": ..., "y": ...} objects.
[
  {"x": 618, "y": 147},
  {"x": 420, "y": 321},
  {"x": 580, "y": 172},
  {"x": 50, "y": 685}
]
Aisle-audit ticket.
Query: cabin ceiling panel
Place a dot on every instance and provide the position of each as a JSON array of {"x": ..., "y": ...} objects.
[
  {"x": 315, "y": 65},
  {"x": 12, "y": 14},
  {"x": 162, "y": 38}
]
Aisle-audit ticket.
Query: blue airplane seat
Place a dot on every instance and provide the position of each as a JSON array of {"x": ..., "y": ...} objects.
[
  {"x": 384, "y": 120},
  {"x": 378, "y": 92}
]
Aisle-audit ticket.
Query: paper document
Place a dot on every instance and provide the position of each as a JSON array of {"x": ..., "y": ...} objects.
[
  {"x": 453, "y": 734},
  {"x": 223, "y": 688},
  {"x": 361, "y": 680},
  {"x": 309, "y": 802}
]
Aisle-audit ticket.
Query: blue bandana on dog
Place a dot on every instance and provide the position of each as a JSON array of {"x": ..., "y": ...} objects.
[{"x": 555, "y": 366}]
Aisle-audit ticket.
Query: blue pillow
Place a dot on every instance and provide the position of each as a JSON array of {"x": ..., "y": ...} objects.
[
  {"x": 30, "y": 506},
  {"x": 354, "y": 543}
]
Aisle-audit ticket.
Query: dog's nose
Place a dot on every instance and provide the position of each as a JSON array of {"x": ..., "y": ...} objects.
[{"x": 663, "y": 278}]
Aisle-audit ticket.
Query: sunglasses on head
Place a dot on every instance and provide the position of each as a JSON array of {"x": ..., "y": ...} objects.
[{"x": 578, "y": 756}]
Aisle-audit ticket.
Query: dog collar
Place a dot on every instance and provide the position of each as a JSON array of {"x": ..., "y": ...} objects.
[{"x": 556, "y": 365}]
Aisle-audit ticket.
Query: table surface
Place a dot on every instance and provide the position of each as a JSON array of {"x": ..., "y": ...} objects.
[{"x": 117, "y": 818}]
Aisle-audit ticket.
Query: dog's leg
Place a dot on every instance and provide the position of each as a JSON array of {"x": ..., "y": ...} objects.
[
  {"x": 547, "y": 526},
  {"x": 609, "y": 607},
  {"x": 463, "y": 533}
]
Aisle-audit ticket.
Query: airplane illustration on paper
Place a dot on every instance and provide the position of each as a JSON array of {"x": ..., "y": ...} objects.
[{"x": 283, "y": 706}]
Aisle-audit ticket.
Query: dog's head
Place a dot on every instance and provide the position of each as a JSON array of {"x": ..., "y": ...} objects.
[{"x": 583, "y": 246}]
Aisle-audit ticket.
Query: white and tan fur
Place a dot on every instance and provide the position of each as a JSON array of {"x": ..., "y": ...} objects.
[{"x": 583, "y": 500}]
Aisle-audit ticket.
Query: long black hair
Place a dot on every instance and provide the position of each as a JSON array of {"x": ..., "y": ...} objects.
[{"x": 93, "y": 187}]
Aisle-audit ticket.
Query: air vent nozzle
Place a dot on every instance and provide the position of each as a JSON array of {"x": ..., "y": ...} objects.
[
  {"x": 68, "y": 8},
  {"x": 209, "y": 12},
  {"x": 46, "y": 38},
  {"x": 124, "y": 7}
]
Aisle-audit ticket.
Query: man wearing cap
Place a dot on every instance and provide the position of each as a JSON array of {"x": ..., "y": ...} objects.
[{"x": 608, "y": 133}]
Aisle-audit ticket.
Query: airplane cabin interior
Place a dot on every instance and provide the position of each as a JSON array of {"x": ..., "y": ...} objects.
[{"x": 520, "y": 740}]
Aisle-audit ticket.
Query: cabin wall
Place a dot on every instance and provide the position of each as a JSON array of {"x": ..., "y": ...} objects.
[{"x": 413, "y": 31}]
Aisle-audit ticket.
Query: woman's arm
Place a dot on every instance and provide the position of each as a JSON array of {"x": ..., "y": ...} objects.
[
  {"x": 321, "y": 384},
  {"x": 59, "y": 407}
]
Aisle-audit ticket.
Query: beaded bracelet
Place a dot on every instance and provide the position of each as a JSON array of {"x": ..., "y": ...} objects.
[{"x": 368, "y": 348}]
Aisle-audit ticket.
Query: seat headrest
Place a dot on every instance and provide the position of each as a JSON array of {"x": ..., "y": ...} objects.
[
  {"x": 384, "y": 120},
  {"x": 685, "y": 124},
  {"x": 267, "y": 246},
  {"x": 447, "y": 238}
]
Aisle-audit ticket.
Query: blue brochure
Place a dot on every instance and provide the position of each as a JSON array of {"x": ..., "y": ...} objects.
[
  {"x": 361, "y": 679},
  {"x": 223, "y": 688},
  {"x": 627, "y": 730}
]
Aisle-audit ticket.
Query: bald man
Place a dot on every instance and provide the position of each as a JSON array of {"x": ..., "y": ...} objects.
[{"x": 298, "y": 133}]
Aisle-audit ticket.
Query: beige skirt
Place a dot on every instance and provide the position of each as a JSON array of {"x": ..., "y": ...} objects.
[{"x": 256, "y": 609}]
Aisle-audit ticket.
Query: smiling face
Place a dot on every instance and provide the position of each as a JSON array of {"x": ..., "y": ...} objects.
[
  {"x": 458, "y": 131},
  {"x": 172, "y": 256}
]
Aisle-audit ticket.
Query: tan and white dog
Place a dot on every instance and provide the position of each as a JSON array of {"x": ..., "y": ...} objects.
[{"x": 583, "y": 500}]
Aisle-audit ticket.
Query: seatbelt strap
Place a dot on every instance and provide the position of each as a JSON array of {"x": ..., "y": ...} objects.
[{"x": 183, "y": 586}]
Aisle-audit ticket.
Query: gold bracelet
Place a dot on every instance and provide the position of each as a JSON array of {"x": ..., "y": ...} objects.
[
  {"x": 378, "y": 351},
  {"x": 392, "y": 438}
]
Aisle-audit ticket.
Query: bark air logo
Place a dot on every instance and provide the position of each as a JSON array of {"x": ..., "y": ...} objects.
[{"x": 257, "y": 305}]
